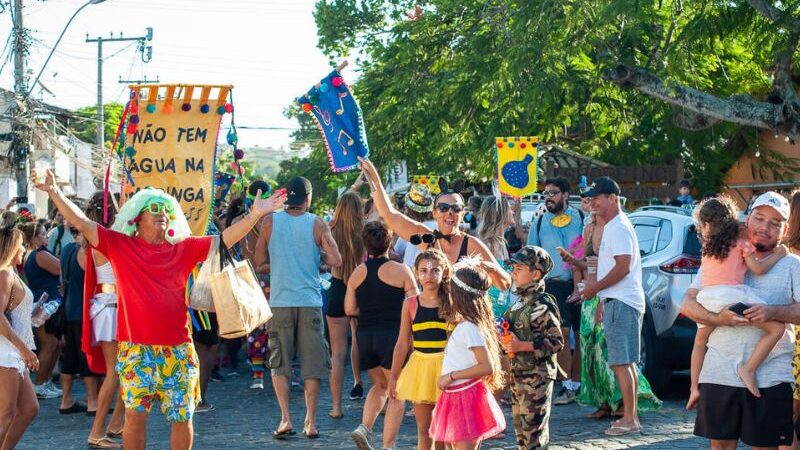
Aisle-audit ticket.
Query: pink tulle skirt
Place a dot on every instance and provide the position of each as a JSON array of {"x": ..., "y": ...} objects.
[{"x": 466, "y": 412}]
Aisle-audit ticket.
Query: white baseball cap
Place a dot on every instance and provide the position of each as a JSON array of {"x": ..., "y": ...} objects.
[{"x": 775, "y": 201}]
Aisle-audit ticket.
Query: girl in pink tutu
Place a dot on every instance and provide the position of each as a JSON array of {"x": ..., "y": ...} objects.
[{"x": 467, "y": 412}]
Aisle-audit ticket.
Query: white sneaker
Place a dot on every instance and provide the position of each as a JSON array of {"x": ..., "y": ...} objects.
[
  {"x": 363, "y": 438},
  {"x": 257, "y": 384},
  {"x": 43, "y": 391},
  {"x": 54, "y": 388}
]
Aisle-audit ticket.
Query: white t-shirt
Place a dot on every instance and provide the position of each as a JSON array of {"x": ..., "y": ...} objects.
[
  {"x": 457, "y": 353},
  {"x": 620, "y": 239}
]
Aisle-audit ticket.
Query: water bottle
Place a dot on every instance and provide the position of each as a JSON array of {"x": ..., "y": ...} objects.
[{"x": 43, "y": 310}]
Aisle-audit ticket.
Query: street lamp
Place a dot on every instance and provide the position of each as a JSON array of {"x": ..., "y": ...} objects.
[{"x": 53, "y": 50}]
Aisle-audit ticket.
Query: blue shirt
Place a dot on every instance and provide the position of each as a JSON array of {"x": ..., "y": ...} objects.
[
  {"x": 294, "y": 262},
  {"x": 549, "y": 237},
  {"x": 685, "y": 199}
]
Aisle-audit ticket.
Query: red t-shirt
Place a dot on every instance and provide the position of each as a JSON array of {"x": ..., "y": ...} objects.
[{"x": 151, "y": 285}]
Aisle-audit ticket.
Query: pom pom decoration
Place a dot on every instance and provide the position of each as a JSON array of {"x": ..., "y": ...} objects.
[
  {"x": 135, "y": 119},
  {"x": 127, "y": 188},
  {"x": 337, "y": 81},
  {"x": 221, "y": 110},
  {"x": 313, "y": 98},
  {"x": 151, "y": 108},
  {"x": 130, "y": 152},
  {"x": 523, "y": 145},
  {"x": 131, "y": 128},
  {"x": 232, "y": 138},
  {"x": 130, "y": 223},
  {"x": 323, "y": 87},
  {"x": 238, "y": 153},
  {"x": 170, "y": 232},
  {"x": 186, "y": 106},
  {"x": 499, "y": 145},
  {"x": 235, "y": 166},
  {"x": 228, "y": 108},
  {"x": 204, "y": 109},
  {"x": 168, "y": 109},
  {"x": 307, "y": 107}
]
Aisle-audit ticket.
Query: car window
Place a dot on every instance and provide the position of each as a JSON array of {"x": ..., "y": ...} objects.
[
  {"x": 691, "y": 245},
  {"x": 646, "y": 234},
  {"x": 664, "y": 235}
]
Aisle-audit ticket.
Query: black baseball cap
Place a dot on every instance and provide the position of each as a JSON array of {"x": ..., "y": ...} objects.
[
  {"x": 297, "y": 189},
  {"x": 602, "y": 185}
]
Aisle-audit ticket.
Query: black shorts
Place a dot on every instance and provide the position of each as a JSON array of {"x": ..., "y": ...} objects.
[
  {"x": 570, "y": 313},
  {"x": 208, "y": 337},
  {"x": 375, "y": 348},
  {"x": 56, "y": 323},
  {"x": 73, "y": 360},
  {"x": 336, "y": 298},
  {"x": 732, "y": 413}
]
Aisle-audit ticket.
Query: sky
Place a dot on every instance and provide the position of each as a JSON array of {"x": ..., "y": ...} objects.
[{"x": 267, "y": 49}]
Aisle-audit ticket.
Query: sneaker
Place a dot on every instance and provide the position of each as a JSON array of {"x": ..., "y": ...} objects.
[
  {"x": 204, "y": 408},
  {"x": 357, "y": 393},
  {"x": 54, "y": 388},
  {"x": 297, "y": 382},
  {"x": 257, "y": 384},
  {"x": 43, "y": 391},
  {"x": 362, "y": 437},
  {"x": 216, "y": 376},
  {"x": 567, "y": 396}
]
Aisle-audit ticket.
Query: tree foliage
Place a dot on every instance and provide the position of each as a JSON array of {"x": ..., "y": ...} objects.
[
  {"x": 86, "y": 129},
  {"x": 441, "y": 78}
]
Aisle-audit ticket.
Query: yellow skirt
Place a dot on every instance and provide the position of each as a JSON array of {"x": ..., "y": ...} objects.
[{"x": 417, "y": 382}]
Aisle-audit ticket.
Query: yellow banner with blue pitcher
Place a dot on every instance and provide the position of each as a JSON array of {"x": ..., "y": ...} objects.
[{"x": 516, "y": 165}]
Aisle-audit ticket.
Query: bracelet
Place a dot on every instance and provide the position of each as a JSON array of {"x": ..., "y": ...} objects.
[{"x": 451, "y": 377}]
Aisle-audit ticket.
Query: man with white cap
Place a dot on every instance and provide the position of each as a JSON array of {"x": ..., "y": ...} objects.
[{"x": 727, "y": 412}]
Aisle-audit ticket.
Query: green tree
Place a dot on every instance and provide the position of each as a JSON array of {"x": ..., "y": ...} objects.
[
  {"x": 633, "y": 82},
  {"x": 86, "y": 129}
]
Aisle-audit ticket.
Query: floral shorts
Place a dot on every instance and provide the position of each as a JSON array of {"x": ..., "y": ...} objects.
[
  {"x": 167, "y": 374},
  {"x": 796, "y": 363}
]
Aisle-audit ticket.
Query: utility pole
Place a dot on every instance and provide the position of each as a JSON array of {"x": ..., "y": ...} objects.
[
  {"x": 147, "y": 54},
  {"x": 20, "y": 125}
]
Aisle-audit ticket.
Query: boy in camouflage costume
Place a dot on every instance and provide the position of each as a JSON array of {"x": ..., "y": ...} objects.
[{"x": 535, "y": 340}]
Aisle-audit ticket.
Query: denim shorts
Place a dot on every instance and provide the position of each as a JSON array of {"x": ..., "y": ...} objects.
[{"x": 623, "y": 327}]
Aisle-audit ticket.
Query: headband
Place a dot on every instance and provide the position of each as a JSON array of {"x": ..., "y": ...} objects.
[{"x": 472, "y": 262}]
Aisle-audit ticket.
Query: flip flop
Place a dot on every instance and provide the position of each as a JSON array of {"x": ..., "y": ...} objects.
[
  {"x": 621, "y": 430},
  {"x": 103, "y": 442},
  {"x": 114, "y": 434},
  {"x": 283, "y": 434},
  {"x": 311, "y": 435},
  {"x": 76, "y": 407},
  {"x": 332, "y": 416}
]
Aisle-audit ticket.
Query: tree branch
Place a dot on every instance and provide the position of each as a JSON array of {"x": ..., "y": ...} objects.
[
  {"x": 741, "y": 109},
  {"x": 775, "y": 14}
]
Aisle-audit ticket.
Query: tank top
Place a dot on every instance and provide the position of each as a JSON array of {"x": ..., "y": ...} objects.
[
  {"x": 295, "y": 256},
  {"x": 105, "y": 274},
  {"x": 379, "y": 304},
  {"x": 429, "y": 330},
  {"x": 20, "y": 319},
  {"x": 462, "y": 251},
  {"x": 40, "y": 280}
]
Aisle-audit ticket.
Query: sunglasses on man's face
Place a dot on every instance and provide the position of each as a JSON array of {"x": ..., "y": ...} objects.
[
  {"x": 417, "y": 239},
  {"x": 157, "y": 208},
  {"x": 445, "y": 207}
]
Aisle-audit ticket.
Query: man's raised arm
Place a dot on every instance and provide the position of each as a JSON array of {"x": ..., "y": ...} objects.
[{"x": 69, "y": 210}]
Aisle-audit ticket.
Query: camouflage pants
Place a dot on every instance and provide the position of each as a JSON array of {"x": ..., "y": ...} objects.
[{"x": 531, "y": 396}]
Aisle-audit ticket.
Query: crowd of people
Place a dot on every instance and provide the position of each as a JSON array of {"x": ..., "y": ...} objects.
[{"x": 454, "y": 305}]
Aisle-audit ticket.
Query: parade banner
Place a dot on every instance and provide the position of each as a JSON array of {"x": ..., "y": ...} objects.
[
  {"x": 171, "y": 144},
  {"x": 516, "y": 165},
  {"x": 339, "y": 118}
]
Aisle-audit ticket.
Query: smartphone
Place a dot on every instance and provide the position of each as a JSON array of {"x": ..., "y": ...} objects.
[{"x": 739, "y": 308}]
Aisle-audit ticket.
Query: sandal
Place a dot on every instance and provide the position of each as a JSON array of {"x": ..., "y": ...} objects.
[
  {"x": 621, "y": 430},
  {"x": 114, "y": 434},
  {"x": 335, "y": 416},
  {"x": 283, "y": 434},
  {"x": 76, "y": 407},
  {"x": 103, "y": 442}
]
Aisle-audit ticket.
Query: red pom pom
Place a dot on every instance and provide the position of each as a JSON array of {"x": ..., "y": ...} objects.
[
  {"x": 337, "y": 81},
  {"x": 307, "y": 107},
  {"x": 499, "y": 145},
  {"x": 171, "y": 232},
  {"x": 228, "y": 108},
  {"x": 168, "y": 109},
  {"x": 523, "y": 145},
  {"x": 131, "y": 128}
]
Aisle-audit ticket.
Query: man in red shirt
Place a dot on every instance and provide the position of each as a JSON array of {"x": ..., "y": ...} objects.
[{"x": 152, "y": 254}]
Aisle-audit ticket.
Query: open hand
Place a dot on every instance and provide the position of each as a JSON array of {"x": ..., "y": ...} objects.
[
  {"x": 759, "y": 314},
  {"x": 370, "y": 173},
  {"x": 49, "y": 181},
  {"x": 264, "y": 206}
]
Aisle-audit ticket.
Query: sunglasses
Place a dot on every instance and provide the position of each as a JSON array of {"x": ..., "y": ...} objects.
[
  {"x": 157, "y": 208},
  {"x": 550, "y": 193},
  {"x": 417, "y": 239},
  {"x": 445, "y": 207}
]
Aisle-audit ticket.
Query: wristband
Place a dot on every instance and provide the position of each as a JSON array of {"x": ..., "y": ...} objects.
[{"x": 451, "y": 377}]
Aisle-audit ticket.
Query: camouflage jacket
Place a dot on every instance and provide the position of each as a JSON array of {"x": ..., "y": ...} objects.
[{"x": 535, "y": 319}]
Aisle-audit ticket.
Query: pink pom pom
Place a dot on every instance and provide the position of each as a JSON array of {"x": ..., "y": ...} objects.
[
  {"x": 337, "y": 81},
  {"x": 228, "y": 108},
  {"x": 171, "y": 232}
]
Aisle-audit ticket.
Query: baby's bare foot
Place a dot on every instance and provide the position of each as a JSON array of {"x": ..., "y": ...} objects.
[{"x": 749, "y": 379}]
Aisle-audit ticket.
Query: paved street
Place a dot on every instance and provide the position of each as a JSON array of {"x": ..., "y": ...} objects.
[{"x": 244, "y": 419}]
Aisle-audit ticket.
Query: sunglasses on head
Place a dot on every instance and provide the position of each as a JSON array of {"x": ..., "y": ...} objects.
[
  {"x": 157, "y": 208},
  {"x": 417, "y": 239},
  {"x": 445, "y": 207}
]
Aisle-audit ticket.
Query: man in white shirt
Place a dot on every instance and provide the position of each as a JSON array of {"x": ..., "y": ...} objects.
[{"x": 619, "y": 285}]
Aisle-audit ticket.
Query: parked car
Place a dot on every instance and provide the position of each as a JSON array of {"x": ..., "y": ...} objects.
[{"x": 671, "y": 254}]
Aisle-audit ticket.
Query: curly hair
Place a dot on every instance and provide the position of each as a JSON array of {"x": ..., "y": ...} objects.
[
  {"x": 721, "y": 216},
  {"x": 477, "y": 308},
  {"x": 447, "y": 273},
  {"x": 94, "y": 209}
]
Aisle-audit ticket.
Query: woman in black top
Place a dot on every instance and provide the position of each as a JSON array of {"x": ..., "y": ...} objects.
[{"x": 375, "y": 293}]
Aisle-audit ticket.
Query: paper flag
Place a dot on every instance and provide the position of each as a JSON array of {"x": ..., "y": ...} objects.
[
  {"x": 516, "y": 165},
  {"x": 435, "y": 183},
  {"x": 340, "y": 120}
]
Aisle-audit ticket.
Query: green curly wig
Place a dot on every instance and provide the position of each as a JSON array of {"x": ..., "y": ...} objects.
[{"x": 125, "y": 222}]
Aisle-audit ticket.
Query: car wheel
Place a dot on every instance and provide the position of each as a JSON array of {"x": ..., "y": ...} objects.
[{"x": 656, "y": 372}]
